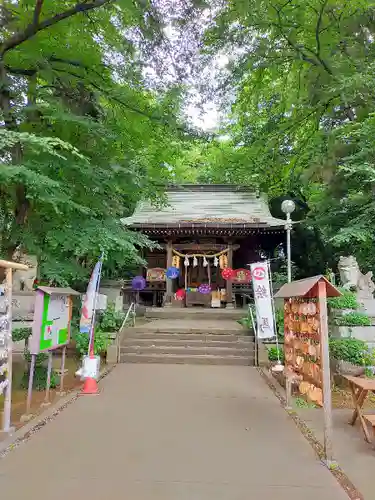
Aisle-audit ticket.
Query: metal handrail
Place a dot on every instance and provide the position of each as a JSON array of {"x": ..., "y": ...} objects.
[{"x": 130, "y": 310}]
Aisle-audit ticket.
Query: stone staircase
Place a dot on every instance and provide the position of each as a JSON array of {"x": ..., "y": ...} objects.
[{"x": 180, "y": 340}]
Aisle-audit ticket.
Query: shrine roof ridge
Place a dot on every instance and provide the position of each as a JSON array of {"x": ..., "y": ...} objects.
[{"x": 206, "y": 205}]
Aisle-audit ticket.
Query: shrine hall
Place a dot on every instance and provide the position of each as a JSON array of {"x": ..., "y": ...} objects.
[{"x": 207, "y": 236}]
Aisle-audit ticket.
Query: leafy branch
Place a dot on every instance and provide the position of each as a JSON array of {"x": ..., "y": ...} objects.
[{"x": 36, "y": 25}]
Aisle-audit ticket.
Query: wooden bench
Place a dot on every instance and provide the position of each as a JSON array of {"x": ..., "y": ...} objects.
[{"x": 371, "y": 420}]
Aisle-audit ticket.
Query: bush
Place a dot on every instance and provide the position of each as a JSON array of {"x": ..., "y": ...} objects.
[
  {"x": 110, "y": 320},
  {"x": 40, "y": 379},
  {"x": 279, "y": 314},
  {"x": 40, "y": 372},
  {"x": 100, "y": 342},
  {"x": 39, "y": 358},
  {"x": 19, "y": 334},
  {"x": 348, "y": 300},
  {"x": 274, "y": 354},
  {"x": 351, "y": 350},
  {"x": 353, "y": 319}
]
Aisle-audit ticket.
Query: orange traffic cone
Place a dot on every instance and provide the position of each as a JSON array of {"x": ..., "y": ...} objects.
[{"x": 90, "y": 386}]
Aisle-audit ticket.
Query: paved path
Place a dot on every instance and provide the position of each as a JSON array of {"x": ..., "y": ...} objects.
[{"x": 166, "y": 432}]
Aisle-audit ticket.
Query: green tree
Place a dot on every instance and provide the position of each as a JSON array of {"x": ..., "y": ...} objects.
[
  {"x": 82, "y": 138},
  {"x": 301, "y": 120}
]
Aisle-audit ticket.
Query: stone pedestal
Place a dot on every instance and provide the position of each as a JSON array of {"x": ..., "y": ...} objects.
[{"x": 367, "y": 306}]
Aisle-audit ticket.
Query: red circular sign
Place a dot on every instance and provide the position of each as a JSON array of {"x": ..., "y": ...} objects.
[{"x": 259, "y": 273}]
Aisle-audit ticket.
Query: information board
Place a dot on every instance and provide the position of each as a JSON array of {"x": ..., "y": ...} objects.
[{"x": 51, "y": 327}]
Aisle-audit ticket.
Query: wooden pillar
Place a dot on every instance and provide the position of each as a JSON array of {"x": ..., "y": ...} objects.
[
  {"x": 169, "y": 283},
  {"x": 327, "y": 394},
  {"x": 229, "y": 282}
]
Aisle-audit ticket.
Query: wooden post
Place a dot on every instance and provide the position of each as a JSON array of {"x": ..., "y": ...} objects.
[
  {"x": 169, "y": 282},
  {"x": 229, "y": 282},
  {"x": 47, "y": 401},
  {"x": 62, "y": 370},
  {"x": 9, "y": 344},
  {"x": 327, "y": 396}
]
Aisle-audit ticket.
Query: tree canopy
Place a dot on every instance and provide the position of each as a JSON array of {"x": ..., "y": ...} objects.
[
  {"x": 301, "y": 112},
  {"x": 93, "y": 99},
  {"x": 82, "y": 137}
]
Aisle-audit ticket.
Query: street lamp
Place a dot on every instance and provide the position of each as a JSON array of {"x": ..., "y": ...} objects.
[{"x": 288, "y": 206}]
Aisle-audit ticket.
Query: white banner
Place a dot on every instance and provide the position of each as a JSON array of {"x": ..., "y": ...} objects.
[{"x": 263, "y": 300}]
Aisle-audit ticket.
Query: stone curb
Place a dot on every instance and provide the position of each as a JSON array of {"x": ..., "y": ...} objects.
[
  {"x": 29, "y": 429},
  {"x": 340, "y": 476}
]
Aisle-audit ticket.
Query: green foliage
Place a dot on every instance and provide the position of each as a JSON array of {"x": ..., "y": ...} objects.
[
  {"x": 246, "y": 322},
  {"x": 300, "y": 84},
  {"x": 274, "y": 354},
  {"x": 353, "y": 319},
  {"x": 348, "y": 300},
  {"x": 83, "y": 137},
  {"x": 111, "y": 320},
  {"x": 19, "y": 334},
  {"x": 348, "y": 349},
  {"x": 40, "y": 358},
  {"x": 101, "y": 342},
  {"x": 279, "y": 314},
  {"x": 40, "y": 371},
  {"x": 302, "y": 403},
  {"x": 40, "y": 379}
]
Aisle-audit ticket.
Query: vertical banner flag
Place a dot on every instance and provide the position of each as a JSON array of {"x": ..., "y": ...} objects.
[
  {"x": 88, "y": 306},
  {"x": 263, "y": 300}
]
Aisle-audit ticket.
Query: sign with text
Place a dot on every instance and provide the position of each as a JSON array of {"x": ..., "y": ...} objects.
[{"x": 263, "y": 300}]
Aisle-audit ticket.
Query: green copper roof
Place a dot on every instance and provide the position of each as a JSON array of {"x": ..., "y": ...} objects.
[{"x": 206, "y": 204}]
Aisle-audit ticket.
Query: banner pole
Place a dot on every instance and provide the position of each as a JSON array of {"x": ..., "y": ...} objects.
[{"x": 95, "y": 305}]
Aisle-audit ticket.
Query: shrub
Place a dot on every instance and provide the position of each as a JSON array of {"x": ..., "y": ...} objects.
[
  {"x": 40, "y": 379},
  {"x": 353, "y": 319},
  {"x": 279, "y": 314},
  {"x": 349, "y": 349},
  {"x": 111, "y": 320},
  {"x": 348, "y": 300},
  {"x": 19, "y": 334},
  {"x": 275, "y": 353},
  {"x": 100, "y": 342},
  {"x": 40, "y": 372}
]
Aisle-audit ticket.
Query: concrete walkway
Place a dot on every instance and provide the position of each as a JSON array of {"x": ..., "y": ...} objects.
[{"x": 166, "y": 432}]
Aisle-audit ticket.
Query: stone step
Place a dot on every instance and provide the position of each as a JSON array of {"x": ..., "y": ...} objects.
[
  {"x": 187, "y": 359},
  {"x": 194, "y": 313},
  {"x": 200, "y": 330},
  {"x": 188, "y": 350},
  {"x": 168, "y": 340},
  {"x": 202, "y": 337}
]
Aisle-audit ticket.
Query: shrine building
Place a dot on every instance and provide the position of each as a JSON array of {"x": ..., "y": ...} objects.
[{"x": 203, "y": 231}]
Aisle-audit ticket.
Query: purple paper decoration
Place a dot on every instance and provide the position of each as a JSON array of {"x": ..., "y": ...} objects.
[
  {"x": 138, "y": 283},
  {"x": 204, "y": 288},
  {"x": 172, "y": 273}
]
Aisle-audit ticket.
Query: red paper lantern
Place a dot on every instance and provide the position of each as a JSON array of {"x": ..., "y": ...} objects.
[
  {"x": 227, "y": 273},
  {"x": 180, "y": 294}
]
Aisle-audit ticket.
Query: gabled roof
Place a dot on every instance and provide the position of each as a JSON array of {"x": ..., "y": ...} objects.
[
  {"x": 208, "y": 206},
  {"x": 307, "y": 287}
]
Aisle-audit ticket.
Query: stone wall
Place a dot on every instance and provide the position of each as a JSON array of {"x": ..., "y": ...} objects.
[
  {"x": 365, "y": 333},
  {"x": 112, "y": 289}
]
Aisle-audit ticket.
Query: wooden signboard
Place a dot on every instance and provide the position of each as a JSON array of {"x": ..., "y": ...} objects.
[
  {"x": 303, "y": 346},
  {"x": 306, "y": 345},
  {"x": 155, "y": 274}
]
